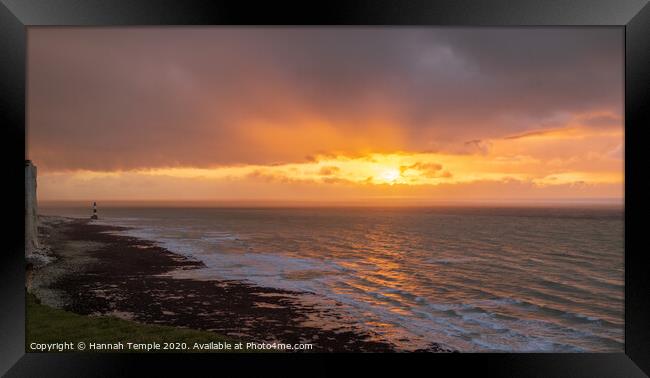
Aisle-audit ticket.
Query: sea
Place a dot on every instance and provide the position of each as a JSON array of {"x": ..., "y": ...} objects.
[{"x": 472, "y": 279}]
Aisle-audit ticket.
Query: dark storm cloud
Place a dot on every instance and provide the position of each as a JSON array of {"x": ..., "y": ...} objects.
[{"x": 115, "y": 98}]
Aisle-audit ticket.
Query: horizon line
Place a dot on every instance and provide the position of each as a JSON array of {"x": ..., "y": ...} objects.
[{"x": 375, "y": 202}]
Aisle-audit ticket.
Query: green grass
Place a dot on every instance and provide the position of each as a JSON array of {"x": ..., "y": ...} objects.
[{"x": 50, "y": 325}]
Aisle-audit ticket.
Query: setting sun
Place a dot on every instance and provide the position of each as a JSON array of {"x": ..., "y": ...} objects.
[{"x": 390, "y": 175}]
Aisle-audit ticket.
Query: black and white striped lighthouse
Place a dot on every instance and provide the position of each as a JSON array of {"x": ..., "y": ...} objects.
[{"x": 94, "y": 216}]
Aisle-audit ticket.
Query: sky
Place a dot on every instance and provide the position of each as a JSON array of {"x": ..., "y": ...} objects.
[{"x": 326, "y": 115}]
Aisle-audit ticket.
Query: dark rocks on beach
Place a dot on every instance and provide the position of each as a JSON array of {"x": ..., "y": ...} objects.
[
  {"x": 129, "y": 276},
  {"x": 436, "y": 348}
]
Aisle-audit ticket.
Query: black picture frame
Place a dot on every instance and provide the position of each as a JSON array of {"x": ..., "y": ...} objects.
[{"x": 632, "y": 15}]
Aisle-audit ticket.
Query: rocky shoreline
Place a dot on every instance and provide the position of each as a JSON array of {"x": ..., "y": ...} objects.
[{"x": 96, "y": 272}]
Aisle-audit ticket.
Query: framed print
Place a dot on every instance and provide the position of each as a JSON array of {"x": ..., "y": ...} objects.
[{"x": 449, "y": 183}]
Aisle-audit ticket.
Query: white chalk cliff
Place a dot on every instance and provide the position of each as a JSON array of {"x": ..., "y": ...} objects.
[{"x": 31, "y": 210}]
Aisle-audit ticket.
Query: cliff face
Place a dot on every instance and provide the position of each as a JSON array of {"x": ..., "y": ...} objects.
[{"x": 31, "y": 219}]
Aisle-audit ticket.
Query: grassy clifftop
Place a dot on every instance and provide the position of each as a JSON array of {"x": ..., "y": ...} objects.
[{"x": 50, "y": 325}]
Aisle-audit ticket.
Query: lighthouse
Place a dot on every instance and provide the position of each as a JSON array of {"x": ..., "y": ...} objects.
[{"x": 94, "y": 216}]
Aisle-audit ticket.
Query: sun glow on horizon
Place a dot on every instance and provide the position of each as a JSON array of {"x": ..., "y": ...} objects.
[
  {"x": 389, "y": 175},
  {"x": 557, "y": 163},
  {"x": 503, "y": 171}
]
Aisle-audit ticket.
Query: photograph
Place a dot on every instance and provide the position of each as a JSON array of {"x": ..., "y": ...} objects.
[{"x": 321, "y": 189}]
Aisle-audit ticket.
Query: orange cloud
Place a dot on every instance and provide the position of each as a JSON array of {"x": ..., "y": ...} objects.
[
  {"x": 135, "y": 98},
  {"x": 404, "y": 174}
]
